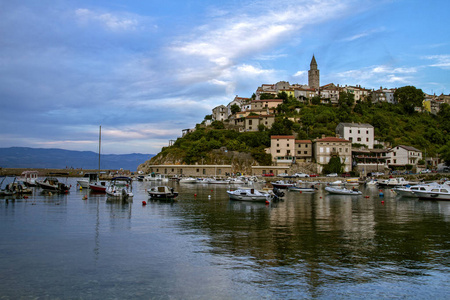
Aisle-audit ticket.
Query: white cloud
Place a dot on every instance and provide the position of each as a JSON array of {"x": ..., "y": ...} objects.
[
  {"x": 110, "y": 21},
  {"x": 441, "y": 61},
  {"x": 299, "y": 74}
]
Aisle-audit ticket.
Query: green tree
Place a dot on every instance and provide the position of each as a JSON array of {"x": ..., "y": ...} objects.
[
  {"x": 334, "y": 166},
  {"x": 315, "y": 100},
  {"x": 409, "y": 97},
  {"x": 235, "y": 109},
  {"x": 444, "y": 153}
]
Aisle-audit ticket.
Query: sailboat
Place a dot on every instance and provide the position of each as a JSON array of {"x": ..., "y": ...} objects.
[{"x": 98, "y": 186}]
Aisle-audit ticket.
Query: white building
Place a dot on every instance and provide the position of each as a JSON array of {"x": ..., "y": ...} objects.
[
  {"x": 357, "y": 133},
  {"x": 404, "y": 155},
  {"x": 220, "y": 113}
]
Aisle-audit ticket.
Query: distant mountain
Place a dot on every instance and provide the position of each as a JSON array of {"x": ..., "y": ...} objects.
[{"x": 22, "y": 157}]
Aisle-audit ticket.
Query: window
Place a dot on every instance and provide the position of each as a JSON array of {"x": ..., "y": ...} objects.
[
  {"x": 249, "y": 122},
  {"x": 350, "y": 131},
  {"x": 278, "y": 145},
  {"x": 395, "y": 153},
  {"x": 287, "y": 145},
  {"x": 306, "y": 146},
  {"x": 395, "y": 161},
  {"x": 278, "y": 151},
  {"x": 367, "y": 132},
  {"x": 198, "y": 170},
  {"x": 288, "y": 152},
  {"x": 359, "y": 139},
  {"x": 204, "y": 171},
  {"x": 305, "y": 152},
  {"x": 367, "y": 139},
  {"x": 359, "y": 131},
  {"x": 299, "y": 152}
]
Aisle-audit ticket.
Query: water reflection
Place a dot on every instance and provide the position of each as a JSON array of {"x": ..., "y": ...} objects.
[{"x": 308, "y": 245}]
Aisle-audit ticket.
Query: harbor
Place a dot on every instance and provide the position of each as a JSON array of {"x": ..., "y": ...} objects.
[{"x": 202, "y": 245}]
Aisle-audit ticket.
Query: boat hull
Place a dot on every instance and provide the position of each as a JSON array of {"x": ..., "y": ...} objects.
[{"x": 337, "y": 191}]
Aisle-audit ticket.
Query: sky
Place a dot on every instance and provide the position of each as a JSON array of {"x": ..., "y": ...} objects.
[{"x": 144, "y": 70}]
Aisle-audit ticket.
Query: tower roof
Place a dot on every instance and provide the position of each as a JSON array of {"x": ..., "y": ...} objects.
[{"x": 313, "y": 61}]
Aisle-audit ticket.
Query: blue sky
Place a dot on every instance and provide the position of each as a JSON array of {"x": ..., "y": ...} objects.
[{"x": 145, "y": 70}]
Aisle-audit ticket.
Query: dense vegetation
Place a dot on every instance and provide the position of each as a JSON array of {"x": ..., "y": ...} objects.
[{"x": 394, "y": 124}]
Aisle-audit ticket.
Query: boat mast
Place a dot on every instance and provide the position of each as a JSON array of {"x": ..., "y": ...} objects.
[{"x": 99, "y": 147}]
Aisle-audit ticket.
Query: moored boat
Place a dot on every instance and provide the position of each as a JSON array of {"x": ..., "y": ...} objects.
[
  {"x": 393, "y": 182},
  {"x": 438, "y": 192},
  {"x": 311, "y": 189},
  {"x": 253, "y": 195},
  {"x": 162, "y": 192},
  {"x": 53, "y": 184},
  {"x": 342, "y": 191},
  {"x": 120, "y": 188},
  {"x": 409, "y": 191},
  {"x": 29, "y": 177},
  {"x": 87, "y": 179},
  {"x": 98, "y": 186},
  {"x": 281, "y": 184}
]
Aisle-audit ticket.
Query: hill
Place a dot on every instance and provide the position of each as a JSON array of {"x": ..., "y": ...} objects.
[
  {"x": 394, "y": 125},
  {"x": 22, "y": 157}
]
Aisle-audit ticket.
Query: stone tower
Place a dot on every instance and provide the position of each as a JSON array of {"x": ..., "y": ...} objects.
[{"x": 313, "y": 75}]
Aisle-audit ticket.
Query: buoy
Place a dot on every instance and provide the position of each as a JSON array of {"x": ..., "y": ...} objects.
[
  {"x": 300, "y": 192},
  {"x": 85, "y": 197},
  {"x": 209, "y": 196},
  {"x": 381, "y": 195},
  {"x": 81, "y": 187},
  {"x": 366, "y": 196},
  {"x": 267, "y": 202},
  {"x": 382, "y": 202},
  {"x": 25, "y": 197},
  {"x": 195, "y": 195},
  {"x": 144, "y": 203},
  {"x": 211, "y": 191}
]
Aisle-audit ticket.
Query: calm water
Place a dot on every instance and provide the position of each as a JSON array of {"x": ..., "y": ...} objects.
[{"x": 206, "y": 247}]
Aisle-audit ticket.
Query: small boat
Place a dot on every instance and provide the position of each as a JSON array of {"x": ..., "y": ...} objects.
[
  {"x": 164, "y": 192},
  {"x": 52, "y": 184},
  {"x": 253, "y": 195},
  {"x": 18, "y": 187},
  {"x": 409, "y": 191},
  {"x": 311, "y": 189},
  {"x": 337, "y": 182},
  {"x": 439, "y": 192},
  {"x": 120, "y": 188},
  {"x": 233, "y": 180},
  {"x": 29, "y": 177},
  {"x": 342, "y": 191},
  {"x": 189, "y": 180},
  {"x": 87, "y": 179},
  {"x": 352, "y": 182},
  {"x": 393, "y": 182},
  {"x": 281, "y": 184},
  {"x": 156, "y": 177},
  {"x": 98, "y": 186},
  {"x": 371, "y": 182}
]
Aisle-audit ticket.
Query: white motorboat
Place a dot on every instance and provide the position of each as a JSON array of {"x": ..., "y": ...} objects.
[
  {"x": 188, "y": 180},
  {"x": 335, "y": 183},
  {"x": 52, "y": 184},
  {"x": 164, "y": 192},
  {"x": 352, "y": 182},
  {"x": 342, "y": 191},
  {"x": 249, "y": 195},
  {"x": 393, "y": 182},
  {"x": 156, "y": 177},
  {"x": 438, "y": 192},
  {"x": 408, "y": 191},
  {"x": 87, "y": 179},
  {"x": 120, "y": 188},
  {"x": 29, "y": 177}
]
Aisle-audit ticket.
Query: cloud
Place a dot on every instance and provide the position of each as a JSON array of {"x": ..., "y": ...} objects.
[
  {"x": 363, "y": 34},
  {"x": 441, "y": 61},
  {"x": 378, "y": 75},
  {"x": 108, "y": 20}
]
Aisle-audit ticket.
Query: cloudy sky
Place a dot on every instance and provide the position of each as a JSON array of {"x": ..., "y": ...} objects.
[{"x": 146, "y": 69}]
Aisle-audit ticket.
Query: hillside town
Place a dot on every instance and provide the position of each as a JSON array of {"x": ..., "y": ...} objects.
[{"x": 354, "y": 143}]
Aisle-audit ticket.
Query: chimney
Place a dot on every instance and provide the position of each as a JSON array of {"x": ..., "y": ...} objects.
[{"x": 323, "y": 136}]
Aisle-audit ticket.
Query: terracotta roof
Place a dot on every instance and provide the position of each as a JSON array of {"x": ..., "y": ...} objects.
[
  {"x": 282, "y": 137},
  {"x": 269, "y": 100},
  {"x": 332, "y": 139},
  {"x": 303, "y": 141}
]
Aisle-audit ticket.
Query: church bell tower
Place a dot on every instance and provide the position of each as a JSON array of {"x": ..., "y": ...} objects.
[{"x": 313, "y": 75}]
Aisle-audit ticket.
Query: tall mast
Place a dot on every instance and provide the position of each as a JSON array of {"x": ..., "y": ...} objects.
[{"x": 99, "y": 147}]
